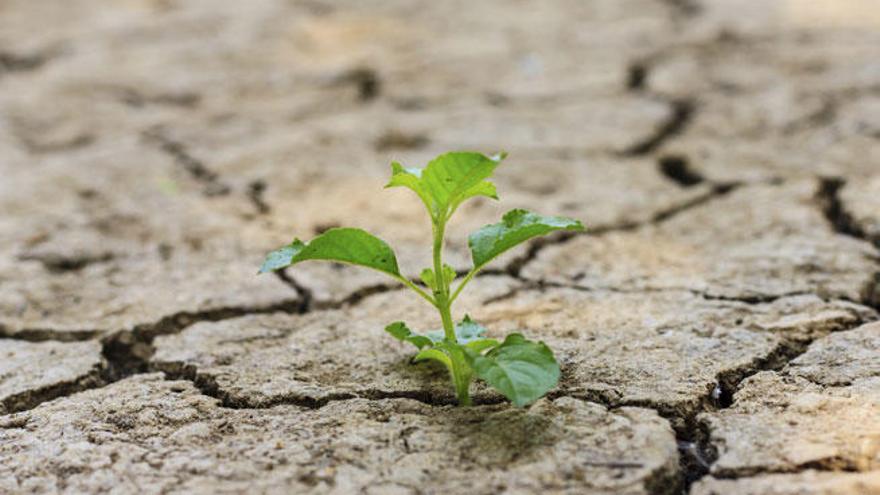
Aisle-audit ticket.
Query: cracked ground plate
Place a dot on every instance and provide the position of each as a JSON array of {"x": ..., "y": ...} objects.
[
  {"x": 821, "y": 411},
  {"x": 688, "y": 346},
  {"x": 757, "y": 242},
  {"x": 164, "y": 436}
]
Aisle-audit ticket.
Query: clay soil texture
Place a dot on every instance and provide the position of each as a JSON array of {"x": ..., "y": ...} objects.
[{"x": 715, "y": 324}]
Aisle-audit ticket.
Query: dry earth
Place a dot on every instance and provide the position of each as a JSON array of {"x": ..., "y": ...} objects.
[{"x": 714, "y": 325}]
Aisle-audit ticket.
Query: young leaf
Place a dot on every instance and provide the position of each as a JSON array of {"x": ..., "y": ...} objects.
[
  {"x": 449, "y": 273},
  {"x": 344, "y": 245},
  {"x": 436, "y": 355},
  {"x": 428, "y": 278},
  {"x": 484, "y": 188},
  {"x": 516, "y": 226},
  {"x": 468, "y": 331},
  {"x": 448, "y": 180},
  {"x": 481, "y": 345},
  {"x": 401, "y": 332},
  {"x": 281, "y": 257},
  {"x": 520, "y": 369},
  {"x": 411, "y": 178},
  {"x": 465, "y": 332}
]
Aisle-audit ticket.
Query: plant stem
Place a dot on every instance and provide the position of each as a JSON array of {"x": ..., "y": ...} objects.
[
  {"x": 446, "y": 317},
  {"x": 461, "y": 373},
  {"x": 462, "y": 383},
  {"x": 441, "y": 295},
  {"x": 464, "y": 282},
  {"x": 418, "y": 291}
]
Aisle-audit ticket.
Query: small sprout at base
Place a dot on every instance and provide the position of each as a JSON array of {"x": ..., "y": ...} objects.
[{"x": 520, "y": 369}]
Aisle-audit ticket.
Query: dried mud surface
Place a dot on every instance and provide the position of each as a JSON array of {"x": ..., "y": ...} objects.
[
  {"x": 714, "y": 324},
  {"x": 167, "y": 437}
]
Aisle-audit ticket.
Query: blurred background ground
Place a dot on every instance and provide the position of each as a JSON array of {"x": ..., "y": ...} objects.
[{"x": 724, "y": 155}]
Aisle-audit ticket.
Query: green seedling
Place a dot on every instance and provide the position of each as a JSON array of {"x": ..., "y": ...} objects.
[{"x": 519, "y": 368}]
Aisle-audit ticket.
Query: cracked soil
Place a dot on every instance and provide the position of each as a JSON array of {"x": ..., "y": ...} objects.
[{"x": 715, "y": 325}]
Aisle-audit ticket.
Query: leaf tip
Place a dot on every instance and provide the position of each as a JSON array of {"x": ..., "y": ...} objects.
[
  {"x": 497, "y": 157},
  {"x": 396, "y": 169}
]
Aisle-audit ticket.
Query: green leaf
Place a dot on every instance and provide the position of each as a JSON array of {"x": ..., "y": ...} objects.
[
  {"x": 436, "y": 355},
  {"x": 410, "y": 178},
  {"x": 516, "y": 226},
  {"x": 468, "y": 330},
  {"x": 520, "y": 369},
  {"x": 401, "y": 332},
  {"x": 482, "y": 345},
  {"x": 449, "y": 273},
  {"x": 465, "y": 332},
  {"x": 280, "y": 258},
  {"x": 459, "y": 367},
  {"x": 484, "y": 188},
  {"x": 344, "y": 245},
  {"x": 448, "y": 180},
  {"x": 428, "y": 278}
]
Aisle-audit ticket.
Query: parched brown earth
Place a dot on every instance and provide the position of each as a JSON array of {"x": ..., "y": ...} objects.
[
  {"x": 148, "y": 433},
  {"x": 714, "y": 324}
]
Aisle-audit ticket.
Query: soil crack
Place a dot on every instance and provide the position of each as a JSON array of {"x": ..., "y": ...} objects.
[
  {"x": 515, "y": 267},
  {"x": 697, "y": 452},
  {"x": 684, "y": 8},
  {"x": 637, "y": 75},
  {"x": 305, "y": 294},
  {"x": 255, "y": 192},
  {"x": 828, "y": 196},
  {"x": 730, "y": 382},
  {"x": 49, "y": 334},
  {"x": 61, "y": 263},
  {"x": 677, "y": 169},
  {"x": 210, "y": 180},
  {"x": 138, "y": 99},
  {"x": 543, "y": 285},
  {"x": 32, "y": 398},
  {"x": 829, "y": 464},
  {"x": 208, "y": 386},
  {"x": 681, "y": 114},
  {"x": 13, "y": 62},
  {"x": 125, "y": 353},
  {"x": 841, "y": 221},
  {"x": 309, "y": 304}
]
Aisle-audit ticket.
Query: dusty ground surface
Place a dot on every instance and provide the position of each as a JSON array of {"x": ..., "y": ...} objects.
[{"x": 714, "y": 325}]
